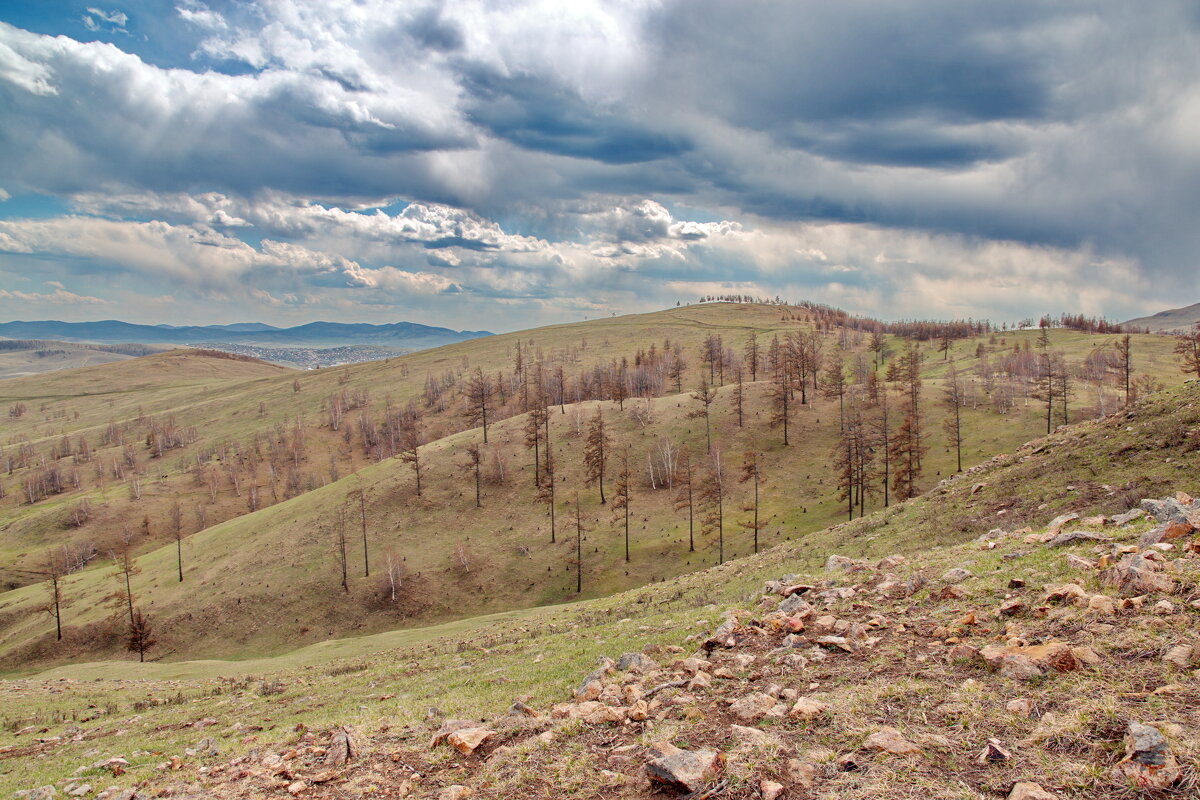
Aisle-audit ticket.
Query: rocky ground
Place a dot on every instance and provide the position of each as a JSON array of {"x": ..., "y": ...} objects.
[{"x": 1057, "y": 663}]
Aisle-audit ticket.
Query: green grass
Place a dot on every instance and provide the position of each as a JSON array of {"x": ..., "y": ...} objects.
[{"x": 475, "y": 668}]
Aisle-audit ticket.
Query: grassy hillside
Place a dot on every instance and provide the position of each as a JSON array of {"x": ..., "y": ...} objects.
[
  {"x": 1067, "y": 737},
  {"x": 266, "y": 582}
]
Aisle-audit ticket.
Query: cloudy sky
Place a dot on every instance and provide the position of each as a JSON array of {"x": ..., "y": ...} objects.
[{"x": 504, "y": 164}]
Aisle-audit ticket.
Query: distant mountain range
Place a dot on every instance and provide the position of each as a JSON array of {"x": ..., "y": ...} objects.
[
  {"x": 403, "y": 335},
  {"x": 1173, "y": 320}
]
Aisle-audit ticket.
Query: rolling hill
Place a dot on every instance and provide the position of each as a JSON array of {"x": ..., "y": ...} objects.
[
  {"x": 934, "y": 685},
  {"x": 263, "y": 574},
  {"x": 1175, "y": 320}
]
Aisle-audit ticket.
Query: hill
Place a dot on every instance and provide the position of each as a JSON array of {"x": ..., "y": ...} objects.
[
  {"x": 22, "y": 357},
  {"x": 402, "y": 335},
  {"x": 1053, "y": 656},
  {"x": 1175, "y": 320},
  {"x": 451, "y": 559}
]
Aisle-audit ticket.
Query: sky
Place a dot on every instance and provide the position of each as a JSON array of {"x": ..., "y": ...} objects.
[{"x": 501, "y": 165}]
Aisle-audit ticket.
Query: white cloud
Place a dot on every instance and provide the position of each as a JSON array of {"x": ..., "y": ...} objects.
[{"x": 57, "y": 297}]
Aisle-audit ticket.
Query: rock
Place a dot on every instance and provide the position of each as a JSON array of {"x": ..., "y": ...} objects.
[
  {"x": 1056, "y": 524},
  {"x": 890, "y": 562},
  {"x": 1166, "y": 510},
  {"x": 770, "y": 790},
  {"x": 40, "y": 793},
  {"x": 1102, "y": 605},
  {"x": 594, "y": 682},
  {"x": 1075, "y": 562},
  {"x": 836, "y": 563},
  {"x": 1148, "y": 761},
  {"x": 835, "y": 643},
  {"x": 796, "y": 606},
  {"x": 752, "y": 736},
  {"x": 684, "y": 770},
  {"x": 604, "y": 715},
  {"x": 994, "y": 751},
  {"x": 1128, "y": 517},
  {"x": 890, "y": 740},
  {"x": 639, "y": 711},
  {"x": 801, "y": 773},
  {"x": 963, "y": 652},
  {"x": 465, "y": 740},
  {"x": 1021, "y": 706},
  {"x": 297, "y": 787},
  {"x": 82, "y": 790},
  {"x": 1135, "y": 574},
  {"x": 956, "y": 575},
  {"x": 752, "y": 707},
  {"x": 455, "y": 792},
  {"x": 1057, "y": 593},
  {"x": 1019, "y": 667},
  {"x": 448, "y": 727},
  {"x": 519, "y": 708},
  {"x": 636, "y": 662},
  {"x": 1077, "y": 536},
  {"x": 1179, "y": 656},
  {"x": 341, "y": 748},
  {"x": 807, "y": 709},
  {"x": 1030, "y": 791},
  {"x": 1011, "y": 607}
]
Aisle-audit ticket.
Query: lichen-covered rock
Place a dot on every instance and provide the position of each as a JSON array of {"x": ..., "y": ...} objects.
[{"x": 683, "y": 770}]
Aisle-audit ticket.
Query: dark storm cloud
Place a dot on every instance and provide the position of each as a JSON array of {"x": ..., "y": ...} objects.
[{"x": 959, "y": 129}]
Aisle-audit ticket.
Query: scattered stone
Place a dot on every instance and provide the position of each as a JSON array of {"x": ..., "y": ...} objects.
[
  {"x": 636, "y": 662},
  {"x": 465, "y": 740},
  {"x": 1077, "y": 536},
  {"x": 455, "y": 792},
  {"x": 1179, "y": 656},
  {"x": 40, "y": 793},
  {"x": 770, "y": 790},
  {"x": 1102, "y": 605},
  {"x": 890, "y": 740},
  {"x": 752, "y": 707},
  {"x": 1075, "y": 562},
  {"x": 1030, "y": 791},
  {"x": 1021, "y": 706},
  {"x": 956, "y": 575},
  {"x": 341, "y": 748},
  {"x": 1011, "y": 607},
  {"x": 807, "y": 709},
  {"x": 836, "y": 563},
  {"x": 684, "y": 770},
  {"x": 449, "y": 727},
  {"x": 1056, "y": 524},
  {"x": 1128, "y": 517},
  {"x": 1136, "y": 574},
  {"x": 1148, "y": 761},
  {"x": 297, "y": 787},
  {"x": 752, "y": 736},
  {"x": 994, "y": 751}
]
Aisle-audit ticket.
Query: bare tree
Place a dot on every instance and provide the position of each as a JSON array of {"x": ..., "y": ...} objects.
[
  {"x": 686, "y": 497},
  {"x": 546, "y": 490},
  {"x": 751, "y": 355},
  {"x": 472, "y": 464},
  {"x": 1188, "y": 349},
  {"x": 621, "y": 496},
  {"x": 396, "y": 572},
  {"x": 478, "y": 394},
  {"x": 595, "y": 451},
  {"x": 579, "y": 531},
  {"x": 175, "y": 520},
  {"x": 463, "y": 557},
  {"x": 340, "y": 530},
  {"x": 410, "y": 446},
  {"x": 706, "y": 395},
  {"x": 952, "y": 399},
  {"x": 139, "y": 637},
  {"x": 712, "y": 501},
  {"x": 739, "y": 393},
  {"x": 752, "y": 470}
]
